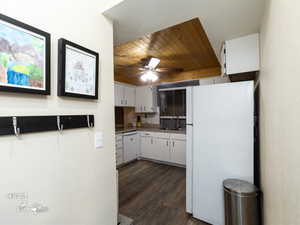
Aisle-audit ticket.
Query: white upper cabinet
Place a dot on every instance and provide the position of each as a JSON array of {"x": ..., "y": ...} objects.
[
  {"x": 241, "y": 55},
  {"x": 146, "y": 101},
  {"x": 144, "y": 98},
  {"x": 124, "y": 95},
  {"x": 119, "y": 95},
  {"x": 129, "y": 96}
]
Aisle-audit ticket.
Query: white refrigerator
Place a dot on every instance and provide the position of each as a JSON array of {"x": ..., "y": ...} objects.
[{"x": 220, "y": 144}]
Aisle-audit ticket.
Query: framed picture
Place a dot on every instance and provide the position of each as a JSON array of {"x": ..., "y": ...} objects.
[
  {"x": 77, "y": 71},
  {"x": 24, "y": 58}
]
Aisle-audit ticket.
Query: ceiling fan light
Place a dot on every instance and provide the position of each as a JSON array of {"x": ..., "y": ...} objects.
[
  {"x": 144, "y": 78},
  {"x": 149, "y": 76},
  {"x": 153, "y": 63}
]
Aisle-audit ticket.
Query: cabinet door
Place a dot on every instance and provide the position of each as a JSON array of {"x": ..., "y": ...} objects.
[
  {"x": 145, "y": 101},
  {"x": 162, "y": 149},
  {"x": 242, "y": 54},
  {"x": 149, "y": 100},
  {"x": 129, "y": 96},
  {"x": 130, "y": 147},
  {"x": 119, "y": 156},
  {"x": 178, "y": 151},
  {"x": 119, "y": 95},
  {"x": 139, "y": 99},
  {"x": 148, "y": 147}
]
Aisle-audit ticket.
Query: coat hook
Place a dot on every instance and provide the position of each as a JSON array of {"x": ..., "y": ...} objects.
[
  {"x": 90, "y": 125},
  {"x": 15, "y": 124},
  {"x": 60, "y": 127},
  {"x": 88, "y": 121}
]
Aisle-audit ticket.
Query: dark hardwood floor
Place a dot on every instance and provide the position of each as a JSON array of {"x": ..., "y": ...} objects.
[{"x": 154, "y": 194}]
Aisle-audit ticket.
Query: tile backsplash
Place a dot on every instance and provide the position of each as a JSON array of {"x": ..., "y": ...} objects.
[
  {"x": 150, "y": 118},
  {"x": 126, "y": 117}
]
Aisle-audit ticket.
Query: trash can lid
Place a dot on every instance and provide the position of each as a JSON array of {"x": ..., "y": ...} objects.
[{"x": 240, "y": 186}]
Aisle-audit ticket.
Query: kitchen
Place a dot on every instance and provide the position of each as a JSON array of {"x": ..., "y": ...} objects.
[
  {"x": 161, "y": 133},
  {"x": 151, "y": 138},
  {"x": 159, "y": 104}
]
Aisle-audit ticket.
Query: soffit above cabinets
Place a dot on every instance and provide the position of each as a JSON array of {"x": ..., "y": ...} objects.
[
  {"x": 222, "y": 20},
  {"x": 184, "y": 46}
]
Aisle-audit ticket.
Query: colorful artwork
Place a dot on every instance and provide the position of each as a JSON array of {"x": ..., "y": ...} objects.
[
  {"x": 22, "y": 58},
  {"x": 80, "y": 72}
]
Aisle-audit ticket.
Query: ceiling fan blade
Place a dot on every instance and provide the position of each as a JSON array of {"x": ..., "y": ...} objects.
[{"x": 169, "y": 70}]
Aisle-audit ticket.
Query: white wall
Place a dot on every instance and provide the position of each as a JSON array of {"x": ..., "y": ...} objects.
[
  {"x": 280, "y": 111},
  {"x": 64, "y": 172}
]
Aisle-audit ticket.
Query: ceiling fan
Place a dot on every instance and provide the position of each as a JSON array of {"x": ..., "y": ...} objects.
[{"x": 149, "y": 65}]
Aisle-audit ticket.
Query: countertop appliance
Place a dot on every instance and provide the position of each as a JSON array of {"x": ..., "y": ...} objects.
[{"x": 220, "y": 143}]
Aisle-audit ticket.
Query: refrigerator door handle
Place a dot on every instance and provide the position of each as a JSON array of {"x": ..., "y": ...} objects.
[{"x": 189, "y": 124}]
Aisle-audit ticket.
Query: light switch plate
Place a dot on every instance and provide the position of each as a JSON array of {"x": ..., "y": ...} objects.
[{"x": 98, "y": 140}]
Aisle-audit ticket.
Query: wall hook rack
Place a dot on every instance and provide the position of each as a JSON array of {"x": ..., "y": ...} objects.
[{"x": 16, "y": 125}]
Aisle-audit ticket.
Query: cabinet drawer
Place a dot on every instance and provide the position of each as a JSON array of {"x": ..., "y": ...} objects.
[
  {"x": 155, "y": 134},
  {"x": 178, "y": 136},
  {"x": 161, "y": 135},
  {"x": 146, "y": 134}
]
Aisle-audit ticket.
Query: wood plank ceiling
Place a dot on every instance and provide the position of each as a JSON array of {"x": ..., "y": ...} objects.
[{"x": 184, "y": 46}]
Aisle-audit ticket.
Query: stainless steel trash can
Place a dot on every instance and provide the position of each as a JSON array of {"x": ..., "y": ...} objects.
[{"x": 241, "y": 200}]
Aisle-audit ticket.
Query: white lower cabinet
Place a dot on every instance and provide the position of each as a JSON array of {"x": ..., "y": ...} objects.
[
  {"x": 130, "y": 147},
  {"x": 147, "y": 147},
  {"x": 119, "y": 156},
  {"x": 178, "y": 152},
  {"x": 164, "y": 147},
  {"x": 119, "y": 150}
]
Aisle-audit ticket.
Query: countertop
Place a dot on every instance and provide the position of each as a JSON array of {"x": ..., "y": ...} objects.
[{"x": 147, "y": 129}]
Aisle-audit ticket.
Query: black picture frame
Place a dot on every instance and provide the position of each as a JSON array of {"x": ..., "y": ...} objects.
[
  {"x": 47, "y": 58},
  {"x": 61, "y": 84}
]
